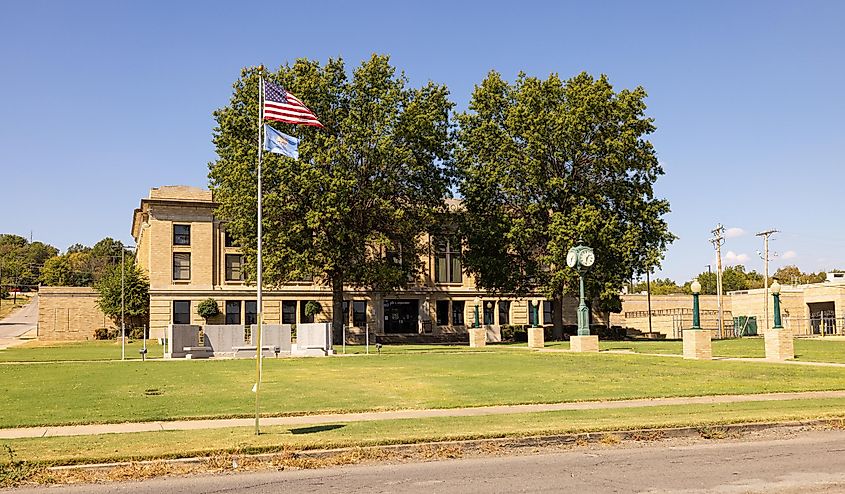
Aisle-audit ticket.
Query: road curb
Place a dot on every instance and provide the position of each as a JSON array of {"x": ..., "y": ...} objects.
[{"x": 707, "y": 431}]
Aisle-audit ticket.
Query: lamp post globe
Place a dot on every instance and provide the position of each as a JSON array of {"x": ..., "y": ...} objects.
[
  {"x": 696, "y": 319},
  {"x": 776, "y": 296}
]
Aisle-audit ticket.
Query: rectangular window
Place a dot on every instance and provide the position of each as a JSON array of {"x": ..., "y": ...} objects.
[
  {"x": 288, "y": 311},
  {"x": 228, "y": 240},
  {"x": 504, "y": 312},
  {"x": 181, "y": 265},
  {"x": 250, "y": 312},
  {"x": 233, "y": 312},
  {"x": 447, "y": 260},
  {"x": 303, "y": 317},
  {"x": 548, "y": 312},
  {"x": 181, "y": 312},
  {"x": 181, "y": 234},
  {"x": 442, "y": 312},
  {"x": 359, "y": 313},
  {"x": 489, "y": 307},
  {"x": 345, "y": 311},
  {"x": 233, "y": 267},
  {"x": 458, "y": 312}
]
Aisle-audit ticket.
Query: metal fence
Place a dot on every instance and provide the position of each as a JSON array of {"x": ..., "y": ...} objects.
[{"x": 817, "y": 325}]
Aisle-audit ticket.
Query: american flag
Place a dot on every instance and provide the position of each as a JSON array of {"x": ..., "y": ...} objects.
[{"x": 282, "y": 106}]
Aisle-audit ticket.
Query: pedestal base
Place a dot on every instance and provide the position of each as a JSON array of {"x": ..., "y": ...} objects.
[
  {"x": 477, "y": 337},
  {"x": 779, "y": 344},
  {"x": 535, "y": 338},
  {"x": 697, "y": 344},
  {"x": 584, "y": 343}
]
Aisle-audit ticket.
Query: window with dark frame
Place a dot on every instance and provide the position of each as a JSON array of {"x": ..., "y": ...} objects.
[
  {"x": 548, "y": 312},
  {"x": 234, "y": 265},
  {"x": 181, "y": 312},
  {"x": 181, "y": 234},
  {"x": 442, "y": 309},
  {"x": 233, "y": 312},
  {"x": 359, "y": 313},
  {"x": 288, "y": 311},
  {"x": 458, "y": 312},
  {"x": 447, "y": 260},
  {"x": 250, "y": 312},
  {"x": 181, "y": 266},
  {"x": 489, "y": 311},
  {"x": 504, "y": 312}
]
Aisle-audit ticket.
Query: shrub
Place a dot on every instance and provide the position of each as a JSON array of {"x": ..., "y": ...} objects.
[
  {"x": 15, "y": 472},
  {"x": 136, "y": 333},
  {"x": 313, "y": 307},
  {"x": 208, "y": 308},
  {"x": 103, "y": 334}
]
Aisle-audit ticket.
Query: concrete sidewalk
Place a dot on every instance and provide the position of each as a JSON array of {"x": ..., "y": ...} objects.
[{"x": 81, "y": 430}]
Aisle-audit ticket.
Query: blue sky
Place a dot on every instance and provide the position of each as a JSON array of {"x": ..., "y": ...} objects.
[{"x": 104, "y": 100}]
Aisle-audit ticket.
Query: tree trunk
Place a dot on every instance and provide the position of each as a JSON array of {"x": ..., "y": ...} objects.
[
  {"x": 338, "y": 316},
  {"x": 557, "y": 316}
]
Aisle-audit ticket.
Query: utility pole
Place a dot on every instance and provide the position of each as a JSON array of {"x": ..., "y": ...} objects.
[
  {"x": 122, "y": 305},
  {"x": 765, "y": 256},
  {"x": 717, "y": 241}
]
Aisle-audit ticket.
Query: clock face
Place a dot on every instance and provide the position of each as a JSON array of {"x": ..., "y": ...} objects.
[
  {"x": 571, "y": 258},
  {"x": 587, "y": 258}
]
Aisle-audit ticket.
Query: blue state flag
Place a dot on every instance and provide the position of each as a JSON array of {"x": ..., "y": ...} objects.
[{"x": 280, "y": 143}]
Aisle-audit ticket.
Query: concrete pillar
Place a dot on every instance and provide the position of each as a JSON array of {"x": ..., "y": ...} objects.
[
  {"x": 477, "y": 337},
  {"x": 697, "y": 344},
  {"x": 535, "y": 338},
  {"x": 584, "y": 343},
  {"x": 779, "y": 344}
]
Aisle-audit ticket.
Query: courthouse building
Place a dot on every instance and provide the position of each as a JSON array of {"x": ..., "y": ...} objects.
[{"x": 184, "y": 249}]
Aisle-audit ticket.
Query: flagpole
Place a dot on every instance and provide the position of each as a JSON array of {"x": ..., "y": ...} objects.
[{"x": 258, "y": 257}]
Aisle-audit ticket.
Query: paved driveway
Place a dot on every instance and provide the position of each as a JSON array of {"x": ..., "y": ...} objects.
[{"x": 18, "y": 324}]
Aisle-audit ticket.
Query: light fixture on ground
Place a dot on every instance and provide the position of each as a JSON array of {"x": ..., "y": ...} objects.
[
  {"x": 697, "y": 345},
  {"x": 775, "y": 288},
  {"x": 696, "y": 318}
]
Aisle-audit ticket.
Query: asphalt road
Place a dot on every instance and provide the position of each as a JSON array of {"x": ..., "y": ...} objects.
[
  {"x": 810, "y": 462},
  {"x": 19, "y": 323}
]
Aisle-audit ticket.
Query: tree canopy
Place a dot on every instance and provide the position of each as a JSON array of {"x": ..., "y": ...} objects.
[
  {"x": 351, "y": 209},
  {"x": 135, "y": 290},
  {"x": 84, "y": 266},
  {"x": 21, "y": 260},
  {"x": 544, "y": 163}
]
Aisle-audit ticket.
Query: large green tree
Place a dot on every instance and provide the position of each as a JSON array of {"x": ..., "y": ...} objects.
[
  {"x": 84, "y": 266},
  {"x": 733, "y": 278},
  {"x": 350, "y": 210},
  {"x": 544, "y": 163},
  {"x": 135, "y": 290}
]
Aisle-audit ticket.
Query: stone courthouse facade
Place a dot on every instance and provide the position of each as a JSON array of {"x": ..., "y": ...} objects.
[{"x": 188, "y": 257}]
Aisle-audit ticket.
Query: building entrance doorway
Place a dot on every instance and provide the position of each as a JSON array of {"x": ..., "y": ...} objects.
[
  {"x": 401, "y": 316},
  {"x": 822, "y": 317}
]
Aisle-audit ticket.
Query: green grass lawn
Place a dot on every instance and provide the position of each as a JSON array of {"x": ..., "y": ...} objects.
[
  {"x": 97, "y": 392},
  {"x": 36, "y": 351},
  {"x": 168, "y": 444}
]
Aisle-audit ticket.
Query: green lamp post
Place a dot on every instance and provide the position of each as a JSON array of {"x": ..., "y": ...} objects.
[
  {"x": 696, "y": 289},
  {"x": 581, "y": 258},
  {"x": 476, "y": 324},
  {"x": 776, "y": 295},
  {"x": 535, "y": 311}
]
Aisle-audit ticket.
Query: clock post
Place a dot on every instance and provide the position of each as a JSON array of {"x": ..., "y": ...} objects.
[{"x": 581, "y": 258}]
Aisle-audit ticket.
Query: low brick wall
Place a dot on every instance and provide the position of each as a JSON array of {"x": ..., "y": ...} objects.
[{"x": 69, "y": 313}]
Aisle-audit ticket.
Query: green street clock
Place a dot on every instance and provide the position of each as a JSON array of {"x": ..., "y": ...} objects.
[{"x": 581, "y": 258}]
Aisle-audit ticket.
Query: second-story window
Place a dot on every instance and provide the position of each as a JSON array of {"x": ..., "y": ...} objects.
[
  {"x": 447, "y": 260},
  {"x": 181, "y": 266},
  {"x": 234, "y": 264},
  {"x": 181, "y": 234}
]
